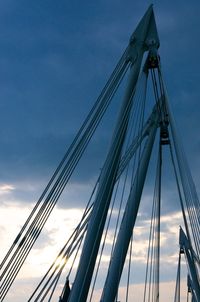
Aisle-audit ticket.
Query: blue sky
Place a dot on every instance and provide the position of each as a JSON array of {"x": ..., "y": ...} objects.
[{"x": 54, "y": 59}]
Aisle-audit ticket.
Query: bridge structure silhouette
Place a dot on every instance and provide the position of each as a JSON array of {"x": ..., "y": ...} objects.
[{"x": 144, "y": 130}]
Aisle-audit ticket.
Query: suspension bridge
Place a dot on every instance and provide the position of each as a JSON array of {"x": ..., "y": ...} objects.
[{"x": 145, "y": 129}]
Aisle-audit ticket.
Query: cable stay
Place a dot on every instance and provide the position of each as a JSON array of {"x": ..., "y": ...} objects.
[
  {"x": 96, "y": 112},
  {"x": 187, "y": 190},
  {"x": 24, "y": 241},
  {"x": 152, "y": 278},
  {"x": 143, "y": 130},
  {"x": 141, "y": 133}
]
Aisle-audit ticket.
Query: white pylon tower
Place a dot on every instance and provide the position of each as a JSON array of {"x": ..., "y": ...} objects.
[{"x": 144, "y": 38}]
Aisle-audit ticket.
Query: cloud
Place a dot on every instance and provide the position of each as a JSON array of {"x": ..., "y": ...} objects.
[
  {"x": 58, "y": 229},
  {"x": 167, "y": 290},
  {"x": 48, "y": 77},
  {"x": 6, "y": 188}
]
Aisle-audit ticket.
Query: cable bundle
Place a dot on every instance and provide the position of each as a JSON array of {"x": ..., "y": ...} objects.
[{"x": 33, "y": 226}]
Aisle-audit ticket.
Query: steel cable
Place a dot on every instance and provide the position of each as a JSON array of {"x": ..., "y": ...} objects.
[{"x": 34, "y": 230}]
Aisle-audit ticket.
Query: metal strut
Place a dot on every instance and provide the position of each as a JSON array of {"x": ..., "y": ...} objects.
[
  {"x": 128, "y": 222},
  {"x": 84, "y": 274}
]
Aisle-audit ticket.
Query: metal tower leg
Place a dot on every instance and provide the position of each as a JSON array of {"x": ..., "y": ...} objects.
[
  {"x": 128, "y": 222},
  {"x": 107, "y": 180}
]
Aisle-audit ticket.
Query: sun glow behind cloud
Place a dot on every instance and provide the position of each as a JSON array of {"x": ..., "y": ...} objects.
[{"x": 58, "y": 229}]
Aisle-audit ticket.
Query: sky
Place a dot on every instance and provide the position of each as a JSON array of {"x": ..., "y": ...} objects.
[{"x": 54, "y": 59}]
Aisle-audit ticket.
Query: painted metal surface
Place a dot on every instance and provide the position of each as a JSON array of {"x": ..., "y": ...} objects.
[{"x": 144, "y": 35}]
